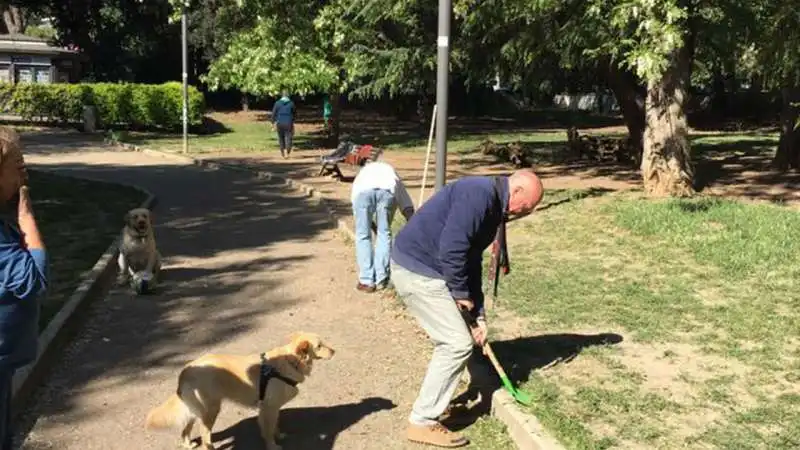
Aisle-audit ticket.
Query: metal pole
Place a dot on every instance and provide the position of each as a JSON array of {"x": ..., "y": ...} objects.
[
  {"x": 185, "y": 75},
  {"x": 442, "y": 83}
]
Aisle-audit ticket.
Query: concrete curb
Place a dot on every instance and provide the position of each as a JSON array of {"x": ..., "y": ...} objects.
[
  {"x": 525, "y": 430},
  {"x": 51, "y": 339}
]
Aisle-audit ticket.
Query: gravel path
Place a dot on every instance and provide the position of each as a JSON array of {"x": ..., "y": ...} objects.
[{"x": 247, "y": 263}]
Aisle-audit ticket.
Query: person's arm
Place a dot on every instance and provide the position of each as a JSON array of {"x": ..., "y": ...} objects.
[
  {"x": 460, "y": 228},
  {"x": 26, "y": 273},
  {"x": 27, "y": 259},
  {"x": 403, "y": 200},
  {"x": 275, "y": 112}
]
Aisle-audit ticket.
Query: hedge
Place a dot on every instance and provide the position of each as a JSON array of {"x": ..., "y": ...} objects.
[{"x": 125, "y": 105}]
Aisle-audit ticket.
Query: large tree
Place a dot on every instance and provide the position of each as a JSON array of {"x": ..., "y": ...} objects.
[{"x": 779, "y": 51}]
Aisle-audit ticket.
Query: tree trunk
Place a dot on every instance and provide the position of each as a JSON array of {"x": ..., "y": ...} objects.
[
  {"x": 788, "y": 154},
  {"x": 14, "y": 19},
  {"x": 666, "y": 165},
  {"x": 245, "y": 102},
  {"x": 630, "y": 97}
]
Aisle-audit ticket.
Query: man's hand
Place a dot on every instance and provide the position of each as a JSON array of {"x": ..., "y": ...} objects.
[
  {"x": 465, "y": 304},
  {"x": 479, "y": 332}
]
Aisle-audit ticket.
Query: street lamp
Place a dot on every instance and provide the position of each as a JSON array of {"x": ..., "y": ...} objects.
[
  {"x": 185, "y": 74},
  {"x": 442, "y": 84},
  {"x": 185, "y": 71}
]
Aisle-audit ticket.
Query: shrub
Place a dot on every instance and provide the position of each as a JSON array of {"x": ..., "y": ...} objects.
[{"x": 121, "y": 105}]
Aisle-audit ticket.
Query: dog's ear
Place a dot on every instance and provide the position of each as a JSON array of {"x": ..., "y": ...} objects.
[
  {"x": 302, "y": 347},
  {"x": 127, "y": 218}
]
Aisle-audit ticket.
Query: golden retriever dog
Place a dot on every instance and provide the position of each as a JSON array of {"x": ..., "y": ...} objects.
[
  {"x": 138, "y": 251},
  {"x": 267, "y": 381}
]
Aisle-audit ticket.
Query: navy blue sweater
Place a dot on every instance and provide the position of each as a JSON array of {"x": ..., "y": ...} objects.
[{"x": 446, "y": 237}]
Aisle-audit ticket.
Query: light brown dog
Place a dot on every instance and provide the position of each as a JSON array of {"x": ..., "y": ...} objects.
[
  {"x": 205, "y": 382},
  {"x": 138, "y": 251}
]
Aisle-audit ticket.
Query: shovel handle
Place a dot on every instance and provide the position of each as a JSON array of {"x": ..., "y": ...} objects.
[{"x": 487, "y": 349}]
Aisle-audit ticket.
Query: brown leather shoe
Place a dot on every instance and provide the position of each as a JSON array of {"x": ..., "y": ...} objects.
[
  {"x": 436, "y": 435},
  {"x": 365, "y": 288}
]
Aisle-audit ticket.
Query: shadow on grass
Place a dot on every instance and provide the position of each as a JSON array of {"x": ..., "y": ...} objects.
[
  {"x": 519, "y": 358},
  {"x": 211, "y": 126},
  {"x": 574, "y": 196},
  {"x": 64, "y": 206},
  {"x": 312, "y": 428}
]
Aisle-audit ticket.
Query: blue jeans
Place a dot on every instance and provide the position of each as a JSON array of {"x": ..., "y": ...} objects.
[{"x": 380, "y": 204}]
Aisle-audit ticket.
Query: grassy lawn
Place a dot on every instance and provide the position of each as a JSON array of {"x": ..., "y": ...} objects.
[
  {"x": 237, "y": 136},
  {"x": 704, "y": 293},
  {"x": 230, "y": 132},
  {"x": 78, "y": 220},
  {"x": 489, "y": 433}
]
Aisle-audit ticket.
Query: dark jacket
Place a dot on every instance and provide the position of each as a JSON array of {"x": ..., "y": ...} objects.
[
  {"x": 446, "y": 238},
  {"x": 22, "y": 283},
  {"x": 283, "y": 112}
]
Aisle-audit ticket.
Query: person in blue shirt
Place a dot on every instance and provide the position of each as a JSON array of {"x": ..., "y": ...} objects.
[
  {"x": 436, "y": 270},
  {"x": 283, "y": 119},
  {"x": 22, "y": 275}
]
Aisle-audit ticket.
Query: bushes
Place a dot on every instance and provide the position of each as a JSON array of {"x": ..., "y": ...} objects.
[{"x": 118, "y": 104}]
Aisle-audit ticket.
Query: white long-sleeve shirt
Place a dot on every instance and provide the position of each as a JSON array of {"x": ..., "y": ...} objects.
[{"x": 380, "y": 175}]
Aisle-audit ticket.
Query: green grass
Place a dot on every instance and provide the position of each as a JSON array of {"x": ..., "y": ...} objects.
[
  {"x": 78, "y": 220},
  {"x": 489, "y": 434},
  {"x": 706, "y": 295},
  {"x": 240, "y": 137}
]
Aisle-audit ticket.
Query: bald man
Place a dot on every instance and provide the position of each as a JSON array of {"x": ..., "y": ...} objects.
[{"x": 436, "y": 269}]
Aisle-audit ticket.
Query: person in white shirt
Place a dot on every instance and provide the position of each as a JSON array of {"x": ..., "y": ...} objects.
[{"x": 377, "y": 191}]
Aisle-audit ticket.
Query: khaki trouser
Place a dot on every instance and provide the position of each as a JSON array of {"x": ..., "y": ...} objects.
[{"x": 430, "y": 302}]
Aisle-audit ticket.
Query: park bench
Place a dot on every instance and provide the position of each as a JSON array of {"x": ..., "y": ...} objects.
[{"x": 346, "y": 153}]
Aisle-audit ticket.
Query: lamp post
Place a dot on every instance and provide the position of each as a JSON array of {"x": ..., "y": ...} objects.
[
  {"x": 442, "y": 84},
  {"x": 185, "y": 74}
]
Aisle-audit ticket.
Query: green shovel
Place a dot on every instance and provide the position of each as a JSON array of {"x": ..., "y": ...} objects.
[{"x": 518, "y": 395}]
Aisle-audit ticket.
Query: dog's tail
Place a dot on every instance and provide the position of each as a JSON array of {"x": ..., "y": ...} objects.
[{"x": 170, "y": 414}]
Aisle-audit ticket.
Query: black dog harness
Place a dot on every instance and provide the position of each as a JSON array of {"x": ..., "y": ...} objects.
[{"x": 267, "y": 373}]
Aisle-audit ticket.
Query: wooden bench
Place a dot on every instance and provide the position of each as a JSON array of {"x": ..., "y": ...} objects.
[{"x": 346, "y": 153}]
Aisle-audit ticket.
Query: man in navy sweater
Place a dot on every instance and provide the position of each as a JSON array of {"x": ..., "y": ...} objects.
[
  {"x": 22, "y": 275},
  {"x": 436, "y": 270}
]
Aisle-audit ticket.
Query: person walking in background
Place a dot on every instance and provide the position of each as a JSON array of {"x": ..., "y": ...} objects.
[
  {"x": 327, "y": 111},
  {"x": 22, "y": 275},
  {"x": 436, "y": 269},
  {"x": 376, "y": 191},
  {"x": 283, "y": 113}
]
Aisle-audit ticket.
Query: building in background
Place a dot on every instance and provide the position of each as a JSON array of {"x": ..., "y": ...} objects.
[{"x": 28, "y": 59}]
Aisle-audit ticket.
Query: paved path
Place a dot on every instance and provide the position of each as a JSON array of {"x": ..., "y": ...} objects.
[{"x": 247, "y": 263}]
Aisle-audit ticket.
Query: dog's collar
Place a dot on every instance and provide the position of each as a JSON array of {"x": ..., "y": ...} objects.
[{"x": 266, "y": 373}]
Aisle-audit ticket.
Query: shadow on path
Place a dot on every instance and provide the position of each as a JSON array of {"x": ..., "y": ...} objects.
[
  {"x": 219, "y": 233},
  {"x": 313, "y": 428}
]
